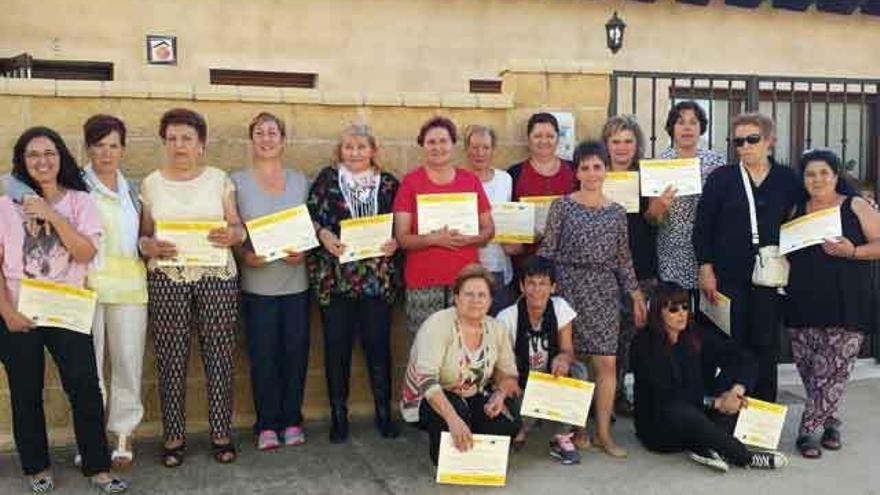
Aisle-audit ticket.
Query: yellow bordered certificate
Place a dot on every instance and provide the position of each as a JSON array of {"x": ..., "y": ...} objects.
[
  {"x": 191, "y": 240},
  {"x": 718, "y": 313},
  {"x": 52, "y": 304},
  {"x": 760, "y": 424},
  {"x": 455, "y": 211},
  {"x": 514, "y": 222},
  {"x": 682, "y": 174},
  {"x": 484, "y": 465},
  {"x": 542, "y": 209},
  {"x": 364, "y": 237},
  {"x": 810, "y": 229},
  {"x": 561, "y": 399},
  {"x": 275, "y": 234},
  {"x": 623, "y": 189}
]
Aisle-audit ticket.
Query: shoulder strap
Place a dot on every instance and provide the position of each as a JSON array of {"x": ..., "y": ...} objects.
[{"x": 753, "y": 216}]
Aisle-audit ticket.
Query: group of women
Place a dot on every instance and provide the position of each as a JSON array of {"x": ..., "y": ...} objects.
[{"x": 91, "y": 227}]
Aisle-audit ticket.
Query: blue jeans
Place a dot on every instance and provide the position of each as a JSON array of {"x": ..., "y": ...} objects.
[{"x": 278, "y": 345}]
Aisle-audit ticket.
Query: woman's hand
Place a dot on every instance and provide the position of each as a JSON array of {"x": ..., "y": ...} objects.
[
  {"x": 659, "y": 206},
  {"x": 840, "y": 247},
  {"x": 461, "y": 434},
  {"x": 708, "y": 283},
  {"x": 389, "y": 247},
  {"x": 510, "y": 386},
  {"x": 157, "y": 248},
  {"x": 561, "y": 365},
  {"x": 293, "y": 257},
  {"x": 331, "y": 242},
  {"x": 224, "y": 237},
  {"x": 17, "y": 322},
  {"x": 449, "y": 239},
  {"x": 495, "y": 405},
  {"x": 640, "y": 309},
  {"x": 36, "y": 208},
  {"x": 732, "y": 401},
  {"x": 252, "y": 259}
]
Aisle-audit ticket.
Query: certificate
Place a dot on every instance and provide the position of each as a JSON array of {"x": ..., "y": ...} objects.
[
  {"x": 718, "y": 313},
  {"x": 514, "y": 222},
  {"x": 191, "y": 240},
  {"x": 561, "y": 399},
  {"x": 542, "y": 209},
  {"x": 455, "y": 211},
  {"x": 483, "y": 465},
  {"x": 623, "y": 189},
  {"x": 810, "y": 229},
  {"x": 364, "y": 237},
  {"x": 682, "y": 174},
  {"x": 57, "y": 305},
  {"x": 760, "y": 424},
  {"x": 287, "y": 230}
]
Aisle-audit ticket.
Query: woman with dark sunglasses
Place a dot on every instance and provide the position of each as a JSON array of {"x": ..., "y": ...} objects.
[
  {"x": 680, "y": 402},
  {"x": 726, "y": 245}
]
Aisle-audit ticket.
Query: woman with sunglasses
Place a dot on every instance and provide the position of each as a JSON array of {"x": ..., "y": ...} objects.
[
  {"x": 726, "y": 247},
  {"x": 679, "y": 406},
  {"x": 830, "y": 303},
  {"x": 674, "y": 215}
]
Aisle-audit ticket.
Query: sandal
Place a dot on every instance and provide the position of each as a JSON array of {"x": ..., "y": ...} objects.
[
  {"x": 42, "y": 483},
  {"x": 809, "y": 447},
  {"x": 173, "y": 456},
  {"x": 831, "y": 438},
  {"x": 112, "y": 485},
  {"x": 224, "y": 453}
]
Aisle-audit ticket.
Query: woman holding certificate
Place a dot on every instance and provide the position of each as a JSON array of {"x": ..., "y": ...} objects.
[
  {"x": 682, "y": 401},
  {"x": 626, "y": 143},
  {"x": 675, "y": 215},
  {"x": 831, "y": 299},
  {"x": 462, "y": 370},
  {"x": 441, "y": 217},
  {"x": 586, "y": 237},
  {"x": 51, "y": 237},
  {"x": 275, "y": 296},
  {"x": 355, "y": 296},
  {"x": 479, "y": 145},
  {"x": 736, "y": 239},
  {"x": 189, "y": 210}
]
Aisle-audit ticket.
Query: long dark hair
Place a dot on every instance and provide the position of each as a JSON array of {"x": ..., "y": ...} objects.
[
  {"x": 70, "y": 176},
  {"x": 831, "y": 159},
  {"x": 667, "y": 293}
]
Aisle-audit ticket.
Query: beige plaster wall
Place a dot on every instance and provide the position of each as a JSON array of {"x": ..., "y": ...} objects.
[{"x": 434, "y": 45}]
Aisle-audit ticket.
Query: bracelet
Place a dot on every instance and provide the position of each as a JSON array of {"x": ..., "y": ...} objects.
[
  {"x": 140, "y": 245},
  {"x": 709, "y": 403}
]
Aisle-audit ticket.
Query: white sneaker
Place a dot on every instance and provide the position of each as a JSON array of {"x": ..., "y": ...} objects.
[
  {"x": 77, "y": 460},
  {"x": 767, "y": 460},
  {"x": 709, "y": 458}
]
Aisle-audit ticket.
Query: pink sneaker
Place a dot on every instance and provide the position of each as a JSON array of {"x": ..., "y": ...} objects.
[
  {"x": 294, "y": 435},
  {"x": 268, "y": 440}
]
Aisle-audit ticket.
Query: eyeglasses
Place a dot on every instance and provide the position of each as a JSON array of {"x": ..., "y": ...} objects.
[
  {"x": 751, "y": 139},
  {"x": 675, "y": 308}
]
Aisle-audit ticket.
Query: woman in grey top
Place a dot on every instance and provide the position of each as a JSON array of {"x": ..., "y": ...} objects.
[{"x": 275, "y": 294}]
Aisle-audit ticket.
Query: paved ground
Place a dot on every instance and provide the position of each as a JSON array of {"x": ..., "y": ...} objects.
[{"x": 371, "y": 465}]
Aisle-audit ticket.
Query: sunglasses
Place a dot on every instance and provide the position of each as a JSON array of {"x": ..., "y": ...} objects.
[
  {"x": 751, "y": 139},
  {"x": 675, "y": 308}
]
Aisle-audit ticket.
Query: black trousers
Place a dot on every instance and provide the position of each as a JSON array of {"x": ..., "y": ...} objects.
[
  {"x": 370, "y": 318},
  {"x": 684, "y": 426},
  {"x": 471, "y": 411},
  {"x": 755, "y": 317},
  {"x": 74, "y": 355}
]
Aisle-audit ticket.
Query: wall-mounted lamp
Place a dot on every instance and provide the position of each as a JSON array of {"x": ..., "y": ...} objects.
[{"x": 614, "y": 33}]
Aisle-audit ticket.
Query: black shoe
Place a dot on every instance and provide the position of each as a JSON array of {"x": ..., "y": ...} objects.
[
  {"x": 339, "y": 425},
  {"x": 623, "y": 407},
  {"x": 385, "y": 423}
]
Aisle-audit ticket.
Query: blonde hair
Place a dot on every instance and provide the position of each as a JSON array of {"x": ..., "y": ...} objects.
[
  {"x": 356, "y": 130},
  {"x": 263, "y": 117},
  {"x": 471, "y": 272},
  {"x": 470, "y": 130},
  {"x": 758, "y": 120}
]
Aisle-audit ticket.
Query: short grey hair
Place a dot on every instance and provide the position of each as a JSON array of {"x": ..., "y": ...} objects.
[{"x": 479, "y": 129}]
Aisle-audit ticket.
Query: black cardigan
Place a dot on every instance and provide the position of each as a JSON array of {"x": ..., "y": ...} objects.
[
  {"x": 680, "y": 373},
  {"x": 722, "y": 230}
]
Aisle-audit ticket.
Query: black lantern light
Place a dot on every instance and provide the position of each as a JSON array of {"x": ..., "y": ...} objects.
[{"x": 614, "y": 32}]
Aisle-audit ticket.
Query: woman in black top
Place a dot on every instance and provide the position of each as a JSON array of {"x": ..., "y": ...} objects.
[
  {"x": 680, "y": 402},
  {"x": 724, "y": 243},
  {"x": 831, "y": 299},
  {"x": 626, "y": 144}
]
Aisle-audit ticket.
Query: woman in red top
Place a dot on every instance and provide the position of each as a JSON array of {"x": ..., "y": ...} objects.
[
  {"x": 433, "y": 259},
  {"x": 543, "y": 173}
]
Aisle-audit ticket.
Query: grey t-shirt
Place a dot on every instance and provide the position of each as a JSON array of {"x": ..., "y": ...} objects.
[{"x": 276, "y": 278}]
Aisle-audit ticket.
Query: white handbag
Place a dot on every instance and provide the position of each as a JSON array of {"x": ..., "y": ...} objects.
[{"x": 771, "y": 268}]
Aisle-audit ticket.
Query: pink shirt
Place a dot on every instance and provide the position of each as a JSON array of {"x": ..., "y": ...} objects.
[
  {"x": 436, "y": 266},
  {"x": 32, "y": 250}
]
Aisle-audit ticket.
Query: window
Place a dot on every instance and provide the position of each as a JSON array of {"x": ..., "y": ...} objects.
[
  {"x": 26, "y": 67},
  {"x": 264, "y": 78},
  {"x": 485, "y": 86}
]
